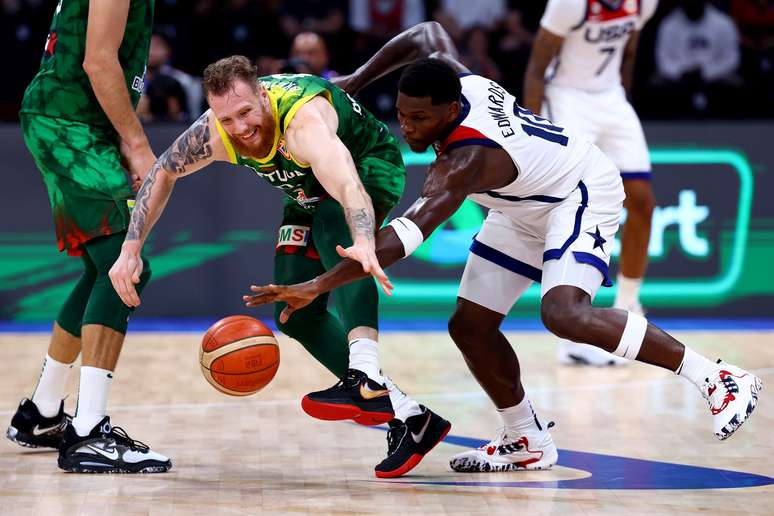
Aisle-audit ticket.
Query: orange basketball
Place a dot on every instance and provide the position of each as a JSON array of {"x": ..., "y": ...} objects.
[{"x": 239, "y": 355}]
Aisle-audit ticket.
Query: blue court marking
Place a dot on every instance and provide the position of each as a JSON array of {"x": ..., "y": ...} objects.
[
  {"x": 614, "y": 472},
  {"x": 200, "y": 325}
]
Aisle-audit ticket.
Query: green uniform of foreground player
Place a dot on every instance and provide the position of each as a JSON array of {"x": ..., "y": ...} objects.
[
  {"x": 341, "y": 171},
  {"x": 79, "y": 124}
]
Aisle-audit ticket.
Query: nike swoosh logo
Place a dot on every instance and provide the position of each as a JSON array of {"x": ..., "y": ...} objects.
[
  {"x": 418, "y": 437},
  {"x": 112, "y": 455},
  {"x": 37, "y": 431},
  {"x": 368, "y": 394}
]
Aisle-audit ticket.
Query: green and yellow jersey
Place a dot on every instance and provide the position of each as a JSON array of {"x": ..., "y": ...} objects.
[{"x": 367, "y": 139}]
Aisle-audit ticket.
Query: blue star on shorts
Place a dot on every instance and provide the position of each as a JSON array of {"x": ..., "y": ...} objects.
[{"x": 598, "y": 240}]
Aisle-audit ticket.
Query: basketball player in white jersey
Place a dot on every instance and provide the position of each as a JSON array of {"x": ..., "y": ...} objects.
[
  {"x": 580, "y": 73},
  {"x": 555, "y": 202}
]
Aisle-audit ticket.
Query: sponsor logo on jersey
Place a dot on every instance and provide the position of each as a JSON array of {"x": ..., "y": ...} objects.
[
  {"x": 293, "y": 235},
  {"x": 283, "y": 149}
]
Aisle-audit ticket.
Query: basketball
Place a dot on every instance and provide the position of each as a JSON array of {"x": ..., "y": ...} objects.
[{"x": 239, "y": 355}]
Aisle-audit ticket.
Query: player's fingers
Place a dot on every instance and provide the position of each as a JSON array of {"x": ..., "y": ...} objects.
[
  {"x": 286, "y": 313},
  {"x": 342, "y": 252},
  {"x": 137, "y": 272},
  {"x": 264, "y": 289}
]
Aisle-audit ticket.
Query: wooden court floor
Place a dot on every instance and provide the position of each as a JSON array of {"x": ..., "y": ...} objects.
[{"x": 634, "y": 440}]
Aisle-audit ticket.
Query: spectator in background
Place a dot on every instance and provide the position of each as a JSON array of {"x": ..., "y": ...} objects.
[
  {"x": 459, "y": 16},
  {"x": 171, "y": 93},
  {"x": 755, "y": 21},
  {"x": 310, "y": 49},
  {"x": 325, "y": 17},
  {"x": 382, "y": 19},
  {"x": 512, "y": 51},
  {"x": 476, "y": 55},
  {"x": 697, "y": 53}
]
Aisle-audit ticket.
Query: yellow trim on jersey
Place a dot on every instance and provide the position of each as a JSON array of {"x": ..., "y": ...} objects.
[{"x": 232, "y": 157}]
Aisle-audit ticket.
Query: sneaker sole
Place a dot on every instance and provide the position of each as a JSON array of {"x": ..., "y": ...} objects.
[
  {"x": 340, "y": 412},
  {"x": 107, "y": 470},
  {"x": 412, "y": 462},
  {"x": 486, "y": 467},
  {"x": 17, "y": 437},
  {"x": 735, "y": 424}
]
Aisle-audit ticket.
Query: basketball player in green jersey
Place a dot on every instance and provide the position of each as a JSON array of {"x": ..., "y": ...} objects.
[
  {"x": 78, "y": 123},
  {"x": 342, "y": 172}
]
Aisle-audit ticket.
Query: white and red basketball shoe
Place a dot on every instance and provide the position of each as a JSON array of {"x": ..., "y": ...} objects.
[
  {"x": 732, "y": 394},
  {"x": 509, "y": 451}
]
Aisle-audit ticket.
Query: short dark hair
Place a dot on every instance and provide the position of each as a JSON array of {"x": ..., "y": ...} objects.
[
  {"x": 431, "y": 78},
  {"x": 219, "y": 77}
]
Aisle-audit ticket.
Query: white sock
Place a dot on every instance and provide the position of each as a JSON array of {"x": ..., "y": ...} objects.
[
  {"x": 92, "y": 398},
  {"x": 628, "y": 294},
  {"x": 52, "y": 383},
  {"x": 519, "y": 417},
  {"x": 364, "y": 356},
  {"x": 403, "y": 406},
  {"x": 695, "y": 368}
]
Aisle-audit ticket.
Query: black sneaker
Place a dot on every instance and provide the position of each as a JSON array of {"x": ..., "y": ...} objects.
[
  {"x": 409, "y": 442},
  {"x": 355, "y": 397},
  {"x": 107, "y": 449},
  {"x": 28, "y": 428}
]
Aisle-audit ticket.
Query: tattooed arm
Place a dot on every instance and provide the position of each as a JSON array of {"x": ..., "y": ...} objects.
[
  {"x": 196, "y": 148},
  {"x": 311, "y": 138}
]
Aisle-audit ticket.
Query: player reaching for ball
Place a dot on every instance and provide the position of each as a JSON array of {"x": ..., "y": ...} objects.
[
  {"x": 342, "y": 172},
  {"x": 555, "y": 201}
]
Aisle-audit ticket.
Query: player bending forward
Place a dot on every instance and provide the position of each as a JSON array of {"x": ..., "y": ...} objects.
[
  {"x": 555, "y": 203},
  {"x": 342, "y": 172}
]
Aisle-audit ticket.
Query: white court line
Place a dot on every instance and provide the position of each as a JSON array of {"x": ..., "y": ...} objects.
[{"x": 433, "y": 396}]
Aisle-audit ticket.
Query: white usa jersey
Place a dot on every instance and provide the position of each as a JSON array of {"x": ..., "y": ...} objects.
[
  {"x": 550, "y": 160},
  {"x": 595, "y": 34}
]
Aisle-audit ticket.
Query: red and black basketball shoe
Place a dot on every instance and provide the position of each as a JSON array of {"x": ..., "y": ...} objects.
[
  {"x": 409, "y": 442},
  {"x": 732, "y": 394},
  {"x": 355, "y": 397}
]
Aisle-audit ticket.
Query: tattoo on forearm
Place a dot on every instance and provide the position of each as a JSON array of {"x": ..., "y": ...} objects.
[
  {"x": 360, "y": 222},
  {"x": 192, "y": 146},
  {"x": 140, "y": 210}
]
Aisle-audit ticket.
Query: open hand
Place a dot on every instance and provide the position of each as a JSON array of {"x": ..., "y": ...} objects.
[
  {"x": 296, "y": 296},
  {"x": 365, "y": 254}
]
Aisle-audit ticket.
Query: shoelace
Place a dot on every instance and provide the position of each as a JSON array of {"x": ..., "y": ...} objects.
[{"x": 121, "y": 437}]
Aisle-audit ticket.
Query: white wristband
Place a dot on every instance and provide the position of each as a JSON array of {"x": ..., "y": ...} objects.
[{"x": 408, "y": 233}]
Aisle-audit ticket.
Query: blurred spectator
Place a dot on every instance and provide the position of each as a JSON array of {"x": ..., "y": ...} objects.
[
  {"x": 160, "y": 82},
  {"x": 755, "y": 21},
  {"x": 697, "y": 38},
  {"x": 697, "y": 53},
  {"x": 383, "y": 19},
  {"x": 321, "y": 16},
  {"x": 458, "y": 16},
  {"x": 512, "y": 52},
  {"x": 476, "y": 56},
  {"x": 310, "y": 49}
]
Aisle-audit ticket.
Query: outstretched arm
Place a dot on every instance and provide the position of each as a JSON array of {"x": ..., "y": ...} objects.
[
  {"x": 449, "y": 180},
  {"x": 197, "y": 147},
  {"x": 311, "y": 138},
  {"x": 427, "y": 39}
]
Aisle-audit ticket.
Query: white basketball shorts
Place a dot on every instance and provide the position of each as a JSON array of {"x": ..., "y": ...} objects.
[
  {"x": 608, "y": 120},
  {"x": 561, "y": 243}
]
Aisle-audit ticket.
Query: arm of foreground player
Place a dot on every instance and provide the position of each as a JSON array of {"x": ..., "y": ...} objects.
[
  {"x": 422, "y": 40},
  {"x": 448, "y": 182},
  {"x": 193, "y": 150},
  {"x": 104, "y": 33},
  {"x": 545, "y": 47},
  {"x": 311, "y": 138}
]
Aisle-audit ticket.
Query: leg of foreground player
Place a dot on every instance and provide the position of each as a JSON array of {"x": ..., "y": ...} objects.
[
  {"x": 522, "y": 441},
  {"x": 731, "y": 392}
]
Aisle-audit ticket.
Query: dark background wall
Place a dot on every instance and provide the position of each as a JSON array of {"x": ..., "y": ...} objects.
[{"x": 712, "y": 255}]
